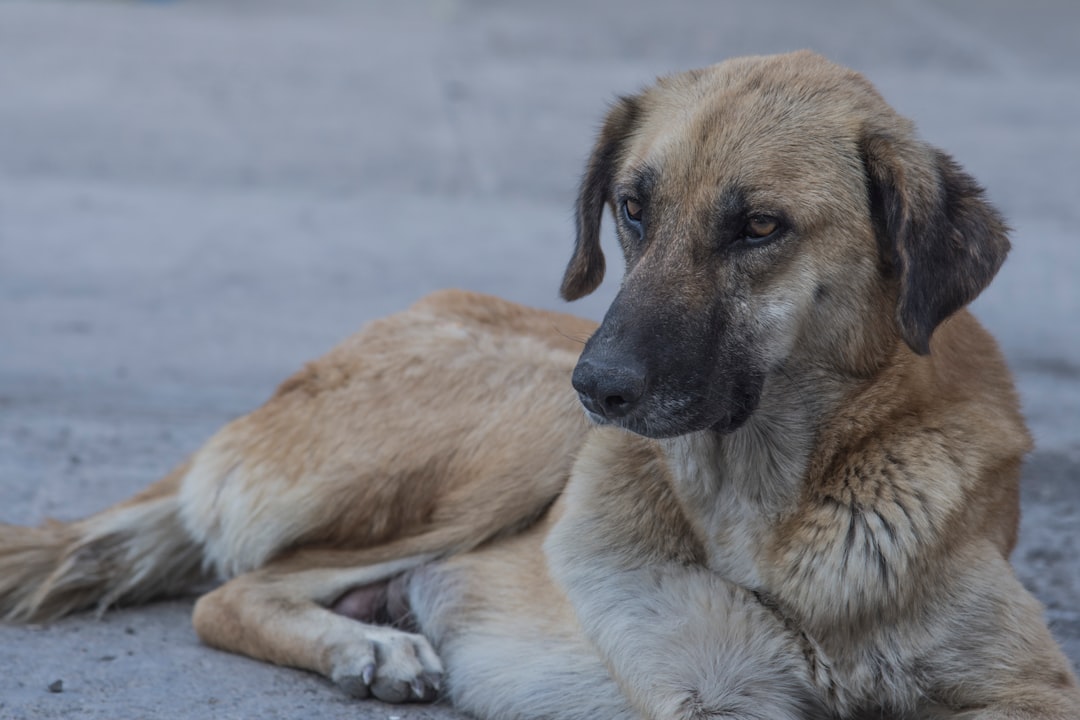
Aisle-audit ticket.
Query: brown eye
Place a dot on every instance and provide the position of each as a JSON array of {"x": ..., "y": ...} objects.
[
  {"x": 632, "y": 209},
  {"x": 759, "y": 227}
]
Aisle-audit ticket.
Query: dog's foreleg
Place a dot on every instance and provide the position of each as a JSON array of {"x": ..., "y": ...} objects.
[
  {"x": 508, "y": 637},
  {"x": 680, "y": 640},
  {"x": 282, "y": 614},
  {"x": 685, "y": 644}
]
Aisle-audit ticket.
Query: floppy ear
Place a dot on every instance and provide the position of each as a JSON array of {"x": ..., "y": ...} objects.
[
  {"x": 936, "y": 231},
  {"x": 586, "y": 267}
]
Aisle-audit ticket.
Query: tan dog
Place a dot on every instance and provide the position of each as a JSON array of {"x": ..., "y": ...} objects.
[{"x": 809, "y": 517}]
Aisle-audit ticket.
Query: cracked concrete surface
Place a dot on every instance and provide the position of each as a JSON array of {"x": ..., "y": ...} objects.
[{"x": 196, "y": 196}]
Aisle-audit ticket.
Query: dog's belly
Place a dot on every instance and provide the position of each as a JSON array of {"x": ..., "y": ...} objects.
[{"x": 382, "y": 603}]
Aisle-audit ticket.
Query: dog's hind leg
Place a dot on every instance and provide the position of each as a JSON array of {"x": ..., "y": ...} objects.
[{"x": 284, "y": 614}]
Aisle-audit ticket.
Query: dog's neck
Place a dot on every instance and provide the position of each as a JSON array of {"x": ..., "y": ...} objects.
[
  {"x": 763, "y": 462},
  {"x": 734, "y": 485}
]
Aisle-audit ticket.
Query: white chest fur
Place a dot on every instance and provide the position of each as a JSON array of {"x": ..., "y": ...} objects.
[{"x": 734, "y": 487}]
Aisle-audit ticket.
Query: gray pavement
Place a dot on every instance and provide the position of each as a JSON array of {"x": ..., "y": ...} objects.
[{"x": 196, "y": 196}]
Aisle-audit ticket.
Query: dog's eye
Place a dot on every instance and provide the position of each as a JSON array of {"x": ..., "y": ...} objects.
[
  {"x": 632, "y": 208},
  {"x": 760, "y": 227}
]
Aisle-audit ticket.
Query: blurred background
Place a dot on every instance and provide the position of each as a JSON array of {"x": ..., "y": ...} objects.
[{"x": 197, "y": 196}]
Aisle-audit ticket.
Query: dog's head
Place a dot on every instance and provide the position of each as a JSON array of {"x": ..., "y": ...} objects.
[{"x": 772, "y": 212}]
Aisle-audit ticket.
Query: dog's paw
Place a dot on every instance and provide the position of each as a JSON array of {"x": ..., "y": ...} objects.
[{"x": 391, "y": 665}]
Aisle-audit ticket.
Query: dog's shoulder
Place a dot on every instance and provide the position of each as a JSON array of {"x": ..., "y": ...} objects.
[
  {"x": 945, "y": 428},
  {"x": 920, "y": 460}
]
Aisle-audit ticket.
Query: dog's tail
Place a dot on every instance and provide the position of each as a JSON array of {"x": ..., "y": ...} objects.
[{"x": 129, "y": 553}]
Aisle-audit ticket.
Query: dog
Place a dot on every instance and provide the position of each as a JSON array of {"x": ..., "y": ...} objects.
[{"x": 792, "y": 493}]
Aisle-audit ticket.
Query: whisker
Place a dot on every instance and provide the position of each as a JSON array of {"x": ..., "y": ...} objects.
[{"x": 571, "y": 338}]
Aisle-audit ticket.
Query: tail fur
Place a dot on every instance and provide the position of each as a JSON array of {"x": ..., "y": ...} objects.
[{"x": 130, "y": 553}]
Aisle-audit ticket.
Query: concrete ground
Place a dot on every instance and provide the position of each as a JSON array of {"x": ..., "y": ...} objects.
[{"x": 196, "y": 196}]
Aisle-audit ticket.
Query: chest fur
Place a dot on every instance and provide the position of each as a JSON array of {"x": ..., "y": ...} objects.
[{"x": 733, "y": 489}]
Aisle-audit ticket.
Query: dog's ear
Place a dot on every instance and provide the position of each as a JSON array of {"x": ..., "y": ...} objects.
[
  {"x": 937, "y": 233},
  {"x": 586, "y": 267}
]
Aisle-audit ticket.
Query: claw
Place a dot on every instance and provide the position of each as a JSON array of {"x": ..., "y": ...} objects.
[
  {"x": 368, "y": 675},
  {"x": 433, "y": 680},
  {"x": 417, "y": 689}
]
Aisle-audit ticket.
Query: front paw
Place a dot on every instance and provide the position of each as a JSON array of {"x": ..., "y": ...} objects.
[{"x": 391, "y": 665}]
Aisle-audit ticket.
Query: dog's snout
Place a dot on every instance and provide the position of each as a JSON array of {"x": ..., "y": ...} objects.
[{"x": 609, "y": 390}]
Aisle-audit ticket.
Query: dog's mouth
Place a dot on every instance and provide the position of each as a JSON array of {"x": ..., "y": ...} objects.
[{"x": 666, "y": 415}]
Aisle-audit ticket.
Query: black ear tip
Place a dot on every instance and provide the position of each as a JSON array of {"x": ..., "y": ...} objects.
[
  {"x": 918, "y": 315},
  {"x": 920, "y": 345},
  {"x": 568, "y": 291},
  {"x": 583, "y": 275}
]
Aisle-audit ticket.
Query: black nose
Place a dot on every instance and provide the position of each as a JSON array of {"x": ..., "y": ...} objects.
[{"x": 608, "y": 389}]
